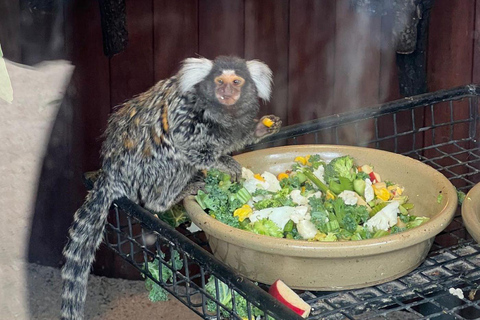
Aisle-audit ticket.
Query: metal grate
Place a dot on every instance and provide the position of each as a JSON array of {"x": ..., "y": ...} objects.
[{"x": 439, "y": 129}]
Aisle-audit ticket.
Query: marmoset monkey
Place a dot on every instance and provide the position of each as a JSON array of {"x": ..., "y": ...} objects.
[{"x": 157, "y": 143}]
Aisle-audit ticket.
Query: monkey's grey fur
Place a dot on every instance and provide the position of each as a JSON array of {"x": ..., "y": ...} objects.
[{"x": 155, "y": 145}]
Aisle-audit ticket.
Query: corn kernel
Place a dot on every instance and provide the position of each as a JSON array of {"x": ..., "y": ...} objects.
[
  {"x": 301, "y": 160},
  {"x": 258, "y": 177},
  {"x": 243, "y": 212},
  {"x": 282, "y": 176},
  {"x": 267, "y": 122}
]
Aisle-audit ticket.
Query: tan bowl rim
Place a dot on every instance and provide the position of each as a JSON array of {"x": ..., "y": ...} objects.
[
  {"x": 289, "y": 247},
  {"x": 469, "y": 208}
]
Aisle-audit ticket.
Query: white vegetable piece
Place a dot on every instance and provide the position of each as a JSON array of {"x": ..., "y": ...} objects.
[
  {"x": 456, "y": 292},
  {"x": 319, "y": 173},
  {"x": 317, "y": 195},
  {"x": 194, "y": 228},
  {"x": 298, "y": 198},
  {"x": 272, "y": 181},
  {"x": 300, "y": 213},
  {"x": 369, "y": 194},
  {"x": 349, "y": 197},
  {"x": 385, "y": 218},
  {"x": 261, "y": 214},
  {"x": 306, "y": 229},
  {"x": 270, "y": 184},
  {"x": 281, "y": 215},
  {"x": 247, "y": 173}
]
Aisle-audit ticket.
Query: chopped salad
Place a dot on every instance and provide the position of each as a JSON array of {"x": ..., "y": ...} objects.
[{"x": 315, "y": 200}]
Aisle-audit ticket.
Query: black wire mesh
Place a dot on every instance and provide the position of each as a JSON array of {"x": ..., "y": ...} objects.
[{"x": 439, "y": 129}]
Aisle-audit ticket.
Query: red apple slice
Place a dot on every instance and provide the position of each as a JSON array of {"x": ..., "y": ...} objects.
[{"x": 288, "y": 297}]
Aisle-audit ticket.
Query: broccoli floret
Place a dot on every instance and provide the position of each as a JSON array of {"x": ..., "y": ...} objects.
[
  {"x": 319, "y": 215},
  {"x": 340, "y": 167},
  {"x": 362, "y": 175},
  {"x": 156, "y": 292},
  {"x": 291, "y": 183},
  {"x": 316, "y": 161},
  {"x": 461, "y": 196}
]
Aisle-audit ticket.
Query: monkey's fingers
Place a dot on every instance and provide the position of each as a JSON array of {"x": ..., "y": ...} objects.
[
  {"x": 268, "y": 125},
  {"x": 229, "y": 165}
]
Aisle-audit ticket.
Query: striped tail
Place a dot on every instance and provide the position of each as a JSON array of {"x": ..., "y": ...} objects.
[{"x": 85, "y": 237}]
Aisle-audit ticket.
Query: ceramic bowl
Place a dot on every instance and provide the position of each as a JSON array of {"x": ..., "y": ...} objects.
[
  {"x": 471, "y": 212},
  {"x": 335, "y": 265}
]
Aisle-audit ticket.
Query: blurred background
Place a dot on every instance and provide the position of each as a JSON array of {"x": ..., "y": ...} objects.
[{"x": 71, "y": 62}]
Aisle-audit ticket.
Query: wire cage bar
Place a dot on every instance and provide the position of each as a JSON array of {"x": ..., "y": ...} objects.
[{"x": 439, "y": 129}]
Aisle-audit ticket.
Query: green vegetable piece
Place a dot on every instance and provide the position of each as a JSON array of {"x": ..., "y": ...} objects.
[
  {"x": 408, "y": 206},
  {"x": 330, "y": 237},
  {"x": 331, "y": 226},
  {"x": 341, "y": 185},
  {"x": 309, "y": 174},
  {"x": 288, "y": 226},
  {"x": 403, "y": 211},
  {"x": 316, "y": 161},
  {"x": 439, "y": 198},
  {"x": 344, "y": 235},
  {"x": 175, "y": 216},
  {"x": 359, "y": 186},
  {"x": 156, "y": 292},
  {"x": 377, "y": 208},
  {"x": 289, "y": 236},
  {"x": 356, "y": 236},
  {"x": 380, "y": 233},
  {"x": 362, "y": 176},
  {"x": 225, "y": 296},
  {"x": 301, "y": 177},
  {"x": 267, "y": 227},
  {"x": 461, "y": 196},
  {"x": 396, "y": 229},
  {"x": 340, "y": 167},
  {"x": 416, "y": 222}
]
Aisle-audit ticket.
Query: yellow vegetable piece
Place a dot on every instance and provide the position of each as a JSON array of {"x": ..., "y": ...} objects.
[
  {"x": 282, "y": 176},
  {"x": 329, "y": 195},
  {"x": 303, "y": 189},
  {"x": 307, "y": 157},
  {"x": 395, "y": 190},
  {"x": 319, "y": 236},
  {"x": 267, "y": 122},
  {"x": 258, "y": 177},
  {"x": 243, "y": 212},
  {"x": 382, "y": 193},
  {"x": 301, "y": 160}
]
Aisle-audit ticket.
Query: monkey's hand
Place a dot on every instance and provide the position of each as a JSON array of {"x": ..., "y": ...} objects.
[
  {"x": 229, "y": 165},
  {"x": 267, "y": 125}
]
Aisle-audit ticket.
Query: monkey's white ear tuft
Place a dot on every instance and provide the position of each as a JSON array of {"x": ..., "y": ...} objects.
[
  {"x": 262, "y": 77},
  {"x": 193, "y": 71}
]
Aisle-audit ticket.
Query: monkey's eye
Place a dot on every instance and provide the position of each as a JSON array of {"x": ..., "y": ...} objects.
[
  {"x": 237, "y": 82},
  {"x": 219, "y": 81}
]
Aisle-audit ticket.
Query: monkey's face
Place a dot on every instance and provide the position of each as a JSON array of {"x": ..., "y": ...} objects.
[{"x": 228, "y": 87}]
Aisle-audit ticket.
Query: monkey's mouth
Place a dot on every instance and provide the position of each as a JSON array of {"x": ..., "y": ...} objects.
[{"x": 227, "y": 100}]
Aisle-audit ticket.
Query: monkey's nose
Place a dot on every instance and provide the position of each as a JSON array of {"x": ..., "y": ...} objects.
[{"x": 228, "y": 90}]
